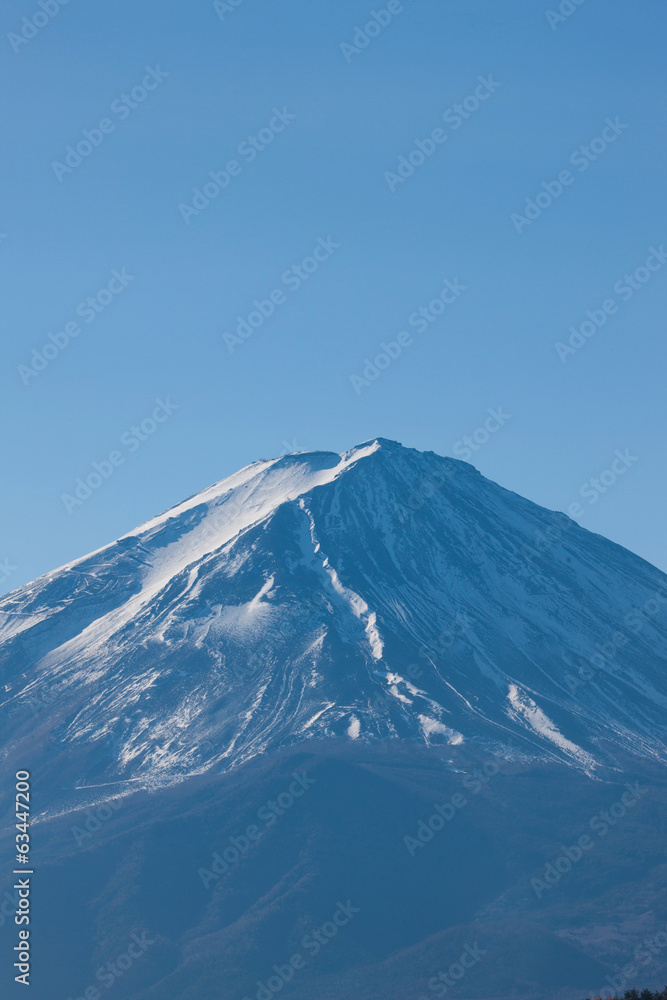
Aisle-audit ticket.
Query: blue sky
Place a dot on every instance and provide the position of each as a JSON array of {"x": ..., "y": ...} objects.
[{"x": 331, "y": 123}]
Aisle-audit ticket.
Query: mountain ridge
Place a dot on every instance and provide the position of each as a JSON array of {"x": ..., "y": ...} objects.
[{"x": 378, "y": 593}]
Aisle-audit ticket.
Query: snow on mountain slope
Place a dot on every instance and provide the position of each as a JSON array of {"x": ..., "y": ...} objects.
[{"x": 379, "y": 593}]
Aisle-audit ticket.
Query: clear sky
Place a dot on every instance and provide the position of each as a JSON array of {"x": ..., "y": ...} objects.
[{"x": 304, "y": 120}]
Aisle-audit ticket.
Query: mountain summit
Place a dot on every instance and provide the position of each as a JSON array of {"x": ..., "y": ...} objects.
[{"x": 382, "y": 593}]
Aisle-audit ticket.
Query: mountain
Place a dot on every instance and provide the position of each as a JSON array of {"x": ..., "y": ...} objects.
[
  {"x": 228, "y": 879},
  {"x": 347, "y": 727},
  {"x": 381, "y": 593}
]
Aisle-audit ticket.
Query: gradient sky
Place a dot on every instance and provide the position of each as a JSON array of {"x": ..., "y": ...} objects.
[{"x": 287, "y": 387}]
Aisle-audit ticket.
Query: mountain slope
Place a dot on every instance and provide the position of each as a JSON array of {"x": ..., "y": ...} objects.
[
  {"x": 382, "y": 593},
  {"x": 222, "y": 911}
]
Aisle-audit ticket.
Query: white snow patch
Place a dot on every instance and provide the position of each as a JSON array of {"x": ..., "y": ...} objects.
[
  {"x": 232, "y": 506},
  {"x": 393, "y": 680},
  {"x": 374, "y": 637},
  {"x": 257, "y": 599},
  {"x": 354, "y": 601},
  {"x": 314, "y": 718},
  {"x": 430, "y": 726},
  {"x": 397, "y": 694},
  {"x": 525, "y": 708}
]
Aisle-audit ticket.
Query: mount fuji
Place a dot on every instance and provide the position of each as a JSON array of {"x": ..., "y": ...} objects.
[
  {"x": 420, "y": 691},
  {"x": 378, "y": 594}
]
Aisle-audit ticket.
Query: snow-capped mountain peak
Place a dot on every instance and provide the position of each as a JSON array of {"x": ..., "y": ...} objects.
[{"x": 381, "y": 593}]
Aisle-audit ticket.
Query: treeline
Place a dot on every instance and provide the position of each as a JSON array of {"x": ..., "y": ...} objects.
[{"x": 636, "y": 995}]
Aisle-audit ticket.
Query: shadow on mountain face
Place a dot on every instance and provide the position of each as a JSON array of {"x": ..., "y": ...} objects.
[{"x": 293, "y": 874}]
